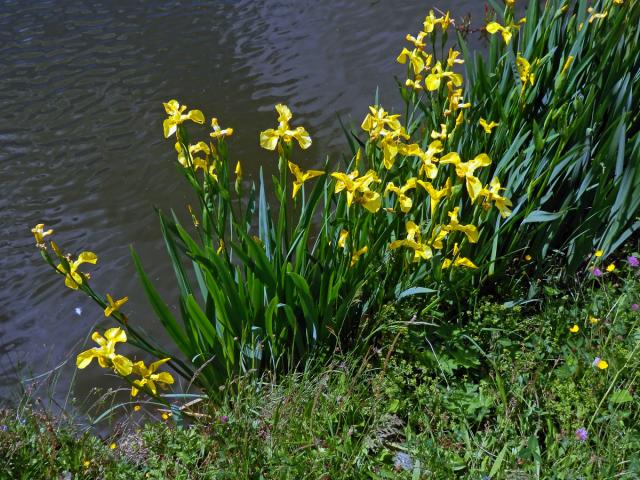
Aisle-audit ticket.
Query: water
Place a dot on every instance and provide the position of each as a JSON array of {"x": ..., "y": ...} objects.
[{"x": 81, "y": 146}]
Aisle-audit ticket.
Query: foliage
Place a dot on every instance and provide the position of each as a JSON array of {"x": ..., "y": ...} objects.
[{"x": 508, "y": 392}]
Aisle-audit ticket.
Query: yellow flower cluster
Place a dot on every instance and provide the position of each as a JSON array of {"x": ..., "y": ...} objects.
[{"x": 106, "y": 356}]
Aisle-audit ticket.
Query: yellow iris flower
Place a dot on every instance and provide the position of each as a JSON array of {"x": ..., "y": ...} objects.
[
  {"x": 114, "y": 305},
  {"x": 436, "y": 195},
  {"x": 433, "y": 80},
  {"x": 416, "y": 58},
  {"x": 270, "y": 137},
  {"x": 356, "y": 256},
  {"x": 442, "y": 134},
  {"x": 428, "y": 159},
  {"x": 431, "y": 21},
  {"x": 506, "y": 31},
  {"x": 219, "y": 132},
  {"x": 458, "y": 261},
  {"x": 596, "y": 16},
  {"x": 524, "y": 70},
  {"x": 421, "y": 251},
  {"x": 301, "y": 177},
  {"x": 72, "y": 277},
  {"x": 342, "y": 239},
  {"x": 197, "y": 162},
  {"x": 149, "y": 377},
  {"x": 405, "y": 202},
  {"x": 492, "y": 194},
  {"x": 454, "y": 225},
  {"x": 40, "y": 233},
  {"x": 452, "y": 58},
  {"x": 177, "y": 116},
  {"x": 418, "y": 42},
  {"x": 488, "y": 126},
  {"x": 358, "y": 188},
  {"x": 466, "y": 170},
  {"x": 105, "y": 353}
]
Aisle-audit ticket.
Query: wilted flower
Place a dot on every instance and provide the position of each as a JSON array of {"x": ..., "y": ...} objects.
[{"x": 581, "y": 434}]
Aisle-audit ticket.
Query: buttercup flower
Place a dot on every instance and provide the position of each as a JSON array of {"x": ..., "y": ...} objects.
[
  {"x": 598, "y": 253},
  {"x": 611, "y": 267},
  {"x": 105, "y": 353},
  {"x": 601, "y": 364},
  {"x": 574, "y": 329}
]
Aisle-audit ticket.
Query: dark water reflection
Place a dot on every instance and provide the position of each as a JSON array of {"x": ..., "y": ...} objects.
[{"x": 81, "y": 147}]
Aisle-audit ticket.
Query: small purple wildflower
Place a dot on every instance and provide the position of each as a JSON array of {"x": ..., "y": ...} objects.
[
  {"x": 581, "y": 434},
  {"x": 403, "y": 461},
  {"x": 596, "y": 361},
  {"x": 633, "y": 261},
  {"x": 4, "y": 428},
  {"x": 634, "y": 307},
  {"x": 597, "y": 272},
  {"x": 224, "y": 419}
]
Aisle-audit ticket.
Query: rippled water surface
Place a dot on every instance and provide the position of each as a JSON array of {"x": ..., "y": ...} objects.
[{"x": 81, "y": 146}]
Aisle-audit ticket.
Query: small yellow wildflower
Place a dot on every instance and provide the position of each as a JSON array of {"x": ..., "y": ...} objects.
[
  {"x": 527, "y": 258},
  {"x": 114, "y": 306},
  {"x": 269, "y": 138},
  {"x": 356, "y": 256},
  {"x": 39, "y": 233},
  {"x": 574, "y": 329},
  {"x": 105, "y": 354},
  {"x": 611, "y": 267},
  {"x": 488, "y": 126},
  {"x": 72, "y": 277},
  {"x": 113, "y": 446},
  {"x": 86, "y": 463},
  {"x": 165, "y": 416},
  {"x": 137, "y": 408},
  {"x": 593, "y": 320},
  {"x": 601, "y": 364},
  {"x": 301, "y": 177},
  {"x": 598, "y": 253},
  {"x": 176, "y": 117}
]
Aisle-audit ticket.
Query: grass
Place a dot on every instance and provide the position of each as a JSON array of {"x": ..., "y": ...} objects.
[{"x": 499, "y": 393}]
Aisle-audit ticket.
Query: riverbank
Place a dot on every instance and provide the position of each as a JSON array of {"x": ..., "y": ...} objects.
[{"x": 546, "y": 389}]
